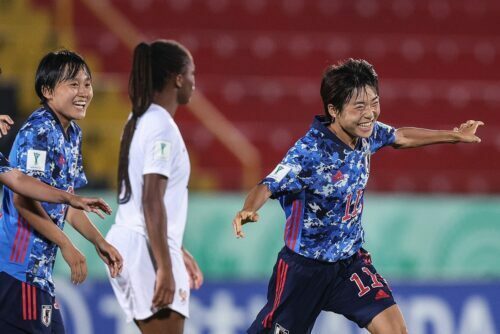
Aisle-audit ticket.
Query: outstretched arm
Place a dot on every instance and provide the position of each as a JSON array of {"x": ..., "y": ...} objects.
[
  {"x": 416, "y": 137},
  {"x": 81, "y": 222},
  {"x": 30, "y": 187},
  {"x": 36, "y": 216},
  {"x": 254, "y": 201}
]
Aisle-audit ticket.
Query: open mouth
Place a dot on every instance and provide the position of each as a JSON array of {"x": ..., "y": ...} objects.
[
  {"x": 80, "y": 105},
  {"x": 366, "y": 125}
]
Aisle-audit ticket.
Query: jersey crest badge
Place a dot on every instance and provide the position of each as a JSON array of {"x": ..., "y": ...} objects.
[
  {"x": 278, "y": 329},
  {"x": 46, "y": 315}
]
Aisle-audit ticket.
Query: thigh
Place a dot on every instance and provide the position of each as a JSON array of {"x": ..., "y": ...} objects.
[
  {"x": 389, "y": 321},
  {"x": 294, "y": 298},
  {"x": 165, "y": 321},
  {"x": 361, "y": 293},
  {"x": 25, "y": 308}
]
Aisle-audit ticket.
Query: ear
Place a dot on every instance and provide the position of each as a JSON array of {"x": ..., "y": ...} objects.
[
  {"x": 332, "y": 111},
  {"x": 179, "y": 81},
  {"x": 47, "y": 93}
]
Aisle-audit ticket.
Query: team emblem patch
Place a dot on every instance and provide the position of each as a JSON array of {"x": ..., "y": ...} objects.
[
  {"x": 36, "y": 160},
  {"x": 46, "y": 315},
  {"x": 183, "y": 295},
  {"x": 162, "y": 150},
  {"x": 278, "y": 329},
  {"x": 279, "y": 172}
]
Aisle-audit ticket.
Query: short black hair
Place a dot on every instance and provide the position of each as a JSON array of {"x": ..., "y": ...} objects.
[
  {"x": 58, "y": 66},
  {"x": 340, "y": 81}
]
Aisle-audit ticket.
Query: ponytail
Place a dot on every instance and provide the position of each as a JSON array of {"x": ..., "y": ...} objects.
[{"x": 140, "y": 90}]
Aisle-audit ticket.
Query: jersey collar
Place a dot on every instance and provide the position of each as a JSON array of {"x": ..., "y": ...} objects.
[
  {"x": 320, "y": 123},
  {"x": 58, "y": 122}
]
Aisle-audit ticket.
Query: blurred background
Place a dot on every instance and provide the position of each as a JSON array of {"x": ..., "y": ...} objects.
[{"x": 431, "y": 214}]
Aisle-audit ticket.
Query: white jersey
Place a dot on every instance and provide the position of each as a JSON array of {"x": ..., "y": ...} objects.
[{"x": 157, "y": 147}]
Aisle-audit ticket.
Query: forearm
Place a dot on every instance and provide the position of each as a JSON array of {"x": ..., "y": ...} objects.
[
  {"x": 33, "y": 188},
  {"x": 416, "y": 137},
  {"x": 37, "y": 218},
  {"x": 81, "y": 222},
  {"x": 256, "y": 198},
  {"x": 156, "y": 226}
]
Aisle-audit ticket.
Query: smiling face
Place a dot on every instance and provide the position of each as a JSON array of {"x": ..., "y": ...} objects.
[
  {"x": 70, "y": 98},
  {"x": 358, "y": 116}
]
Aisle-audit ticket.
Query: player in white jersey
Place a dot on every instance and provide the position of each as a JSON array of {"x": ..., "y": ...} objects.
[{"x": 153, "y": 174}]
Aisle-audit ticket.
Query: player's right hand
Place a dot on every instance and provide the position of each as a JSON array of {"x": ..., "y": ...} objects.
[
  {"x": 76, "y": 262},
  {"x": 164, "y": 288},
  {"x": 91, "y": 204},
  {"x": 5, "y": 123},
  {"x": 241, "y": 218}
]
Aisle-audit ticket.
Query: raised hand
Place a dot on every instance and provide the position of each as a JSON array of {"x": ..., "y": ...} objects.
[
  {"x": 110, "y": 256},
  {"x": 468, "y": 131},
  {"x": 241, "y": 218},
  {"x": 76, "y": 262},
  {"x": 91, "y": 204},
  {"x": 5, "y": 123}
]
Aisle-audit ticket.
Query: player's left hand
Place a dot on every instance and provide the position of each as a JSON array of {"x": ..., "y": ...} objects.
[
  {"x": 5, "y": 123},
  {"x": 468, "y": 130},
  {"x": 194, "y": 271},
  {"x": 91, "y": 204},
  {"x": 242, "y": 217},
  {"x": 110, "y": 256}
]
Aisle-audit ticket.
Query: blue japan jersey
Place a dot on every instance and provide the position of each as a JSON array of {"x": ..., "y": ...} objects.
[
  {"x": 4, "y": 164},
  {"x": 320, "y": 185},
  {"x": 41, "y": 149}
]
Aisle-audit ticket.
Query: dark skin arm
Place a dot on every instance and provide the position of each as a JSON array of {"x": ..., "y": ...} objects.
[
  {"x": 253, "y": 202},
  {"x": 155, "y": 216}
]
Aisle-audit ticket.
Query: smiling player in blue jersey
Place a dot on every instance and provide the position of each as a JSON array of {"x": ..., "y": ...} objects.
[
  {"x": 320, "y": 184},
  {"x": 48, "y": 148}
]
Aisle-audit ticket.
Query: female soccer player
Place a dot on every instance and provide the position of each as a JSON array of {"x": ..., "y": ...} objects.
[
  {"x": 320, "y": 185},
  {"x": 153, "y": 175},
  {"x": 47, "y": 147}
]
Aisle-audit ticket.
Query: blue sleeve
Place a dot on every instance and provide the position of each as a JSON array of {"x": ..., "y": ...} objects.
[
  {"x": 383, "y": 135},
  {"x": 4, "y": 164},
  {"x": 80, "y": 177},
  {"x": 33, "y": 153},
  {"x": 292, "y": 174}
]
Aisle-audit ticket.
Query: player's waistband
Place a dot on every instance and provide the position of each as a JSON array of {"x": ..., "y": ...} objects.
[{"x": 306, "y": 261}]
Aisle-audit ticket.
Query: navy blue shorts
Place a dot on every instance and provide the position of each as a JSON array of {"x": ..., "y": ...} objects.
[
  {"x": 301, "y": 288},
  {"x": 25, "y": 309}
]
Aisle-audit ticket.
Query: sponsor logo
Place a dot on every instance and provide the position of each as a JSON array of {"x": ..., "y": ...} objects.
[
  {"x": 381, "y": 294},
  {"x": 46, "y": 315}
]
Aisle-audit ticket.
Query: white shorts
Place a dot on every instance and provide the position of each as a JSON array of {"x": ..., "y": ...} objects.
[{"x": 134, "y": 287}]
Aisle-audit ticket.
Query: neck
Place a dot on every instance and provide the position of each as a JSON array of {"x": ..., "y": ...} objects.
[
  {"x": 65, "y": 122},
  {"x": 343, "y": 135},
  {"x": 168, "y": 100}
]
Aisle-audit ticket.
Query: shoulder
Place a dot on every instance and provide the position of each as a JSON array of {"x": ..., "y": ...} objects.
[
  {"x": 157, "y": 122},
  {"x": 38, "y": 124}
]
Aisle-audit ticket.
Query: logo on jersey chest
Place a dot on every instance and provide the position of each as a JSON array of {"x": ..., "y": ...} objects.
[
  {"x": 36, "y": 160},
  {"x": 46, "y": 315}
]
